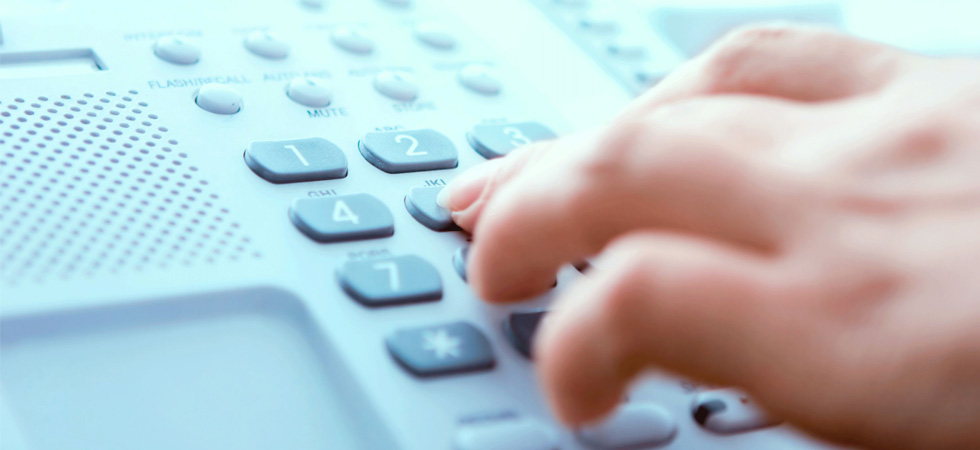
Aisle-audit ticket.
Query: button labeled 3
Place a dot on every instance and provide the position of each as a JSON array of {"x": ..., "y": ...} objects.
[
  {"x": 408, "y": 151},
  {"x": 296, "y": 160},
  {"x": 344, "y": 218},
  {"x": 494, "y": 141},
  {"x": 391, "y": 281}
]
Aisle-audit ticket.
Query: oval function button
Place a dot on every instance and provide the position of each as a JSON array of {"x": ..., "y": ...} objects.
[
  {"x": 634, "y": 425},
  {"x": 729, "y": 411},
  {"x": 177, "y": 50},
  {"x": 435, "y": 35},
  {"x": 510, "y": 434},
  {"x": 219, "y": 99},
  {"x": 479, "y": 78},
  {"x": 397, "y": 85},
  {"x": 310, "y": 91},
  {"x": 267, "y": 45},
  {"x": 352, "y": 40}
]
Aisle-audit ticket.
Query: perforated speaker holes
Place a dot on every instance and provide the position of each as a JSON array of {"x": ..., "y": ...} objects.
[{"x": 94, "y": 185}]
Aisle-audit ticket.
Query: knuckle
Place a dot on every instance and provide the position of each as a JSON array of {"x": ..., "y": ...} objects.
[{"x": 739, "y": 48}]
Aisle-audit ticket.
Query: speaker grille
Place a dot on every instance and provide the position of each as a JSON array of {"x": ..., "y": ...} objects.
[{"x": 94, "y": 185}]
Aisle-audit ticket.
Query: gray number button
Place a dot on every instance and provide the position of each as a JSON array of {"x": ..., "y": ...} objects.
[
  {"x": 408, "y": 151},
  {"x": 344, "y": 218},
  {"x": 421, "y": 204},
  {"x": 391, "y": 281},
  {"x": 494, "y": 141},
  {"x": 294, "y": 160}
]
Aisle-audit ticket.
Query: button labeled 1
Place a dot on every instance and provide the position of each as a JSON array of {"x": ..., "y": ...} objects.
[
  {"x": 408, "y": 151},
  {"x": 344, "y": 218},
  {"x": 494, "y": 141},
  {"x": 295, "y": 160},
  {"x": 391, "y": 281}
]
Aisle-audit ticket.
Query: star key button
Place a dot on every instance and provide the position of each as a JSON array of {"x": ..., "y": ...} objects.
[{"x": 441, "y": 349}]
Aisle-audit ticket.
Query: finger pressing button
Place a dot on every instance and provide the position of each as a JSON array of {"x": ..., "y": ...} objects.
[{"x": 421, "y": 204}]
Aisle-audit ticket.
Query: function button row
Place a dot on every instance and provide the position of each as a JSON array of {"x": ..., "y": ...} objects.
[
  {"x": 391, "y": 281},
  {"x": 408, "y": 151},
  {"x": 342, "y": 218},
  {"x": 317, "y": 92},
  {"x": 178, "y": 50},
  {"x": 441, "y": 349},
  {"x": 296, "y": 160}
]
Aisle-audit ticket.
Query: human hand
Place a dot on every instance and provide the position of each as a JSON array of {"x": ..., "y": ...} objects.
[{"x": 795, "y": 212}]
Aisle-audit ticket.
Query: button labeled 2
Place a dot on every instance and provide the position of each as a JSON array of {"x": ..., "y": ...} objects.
[
  {"x": 344, "y": 218},
  {"x": 408, "y": 151},
  {"x": 494, "y": 141}
]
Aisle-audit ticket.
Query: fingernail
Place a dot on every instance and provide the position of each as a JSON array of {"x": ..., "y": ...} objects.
[{"x": 463, "y": 190}]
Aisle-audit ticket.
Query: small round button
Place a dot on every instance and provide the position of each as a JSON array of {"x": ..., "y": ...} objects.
[
  {"x": 310, "y": 91},
  {"x": 219, "y": 99},
  {"x": 176, "y": 50},
  {"x": 352, "y": 40},
  {"x": 479, "y": 78},
  {"x": 397, "y": 85},
  {"x": 435, "y": 35},
  {"x": 267, "y": 45}
]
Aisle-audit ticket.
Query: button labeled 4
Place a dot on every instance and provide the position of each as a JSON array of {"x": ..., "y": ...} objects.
[{"x": 344, "y": 218}]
